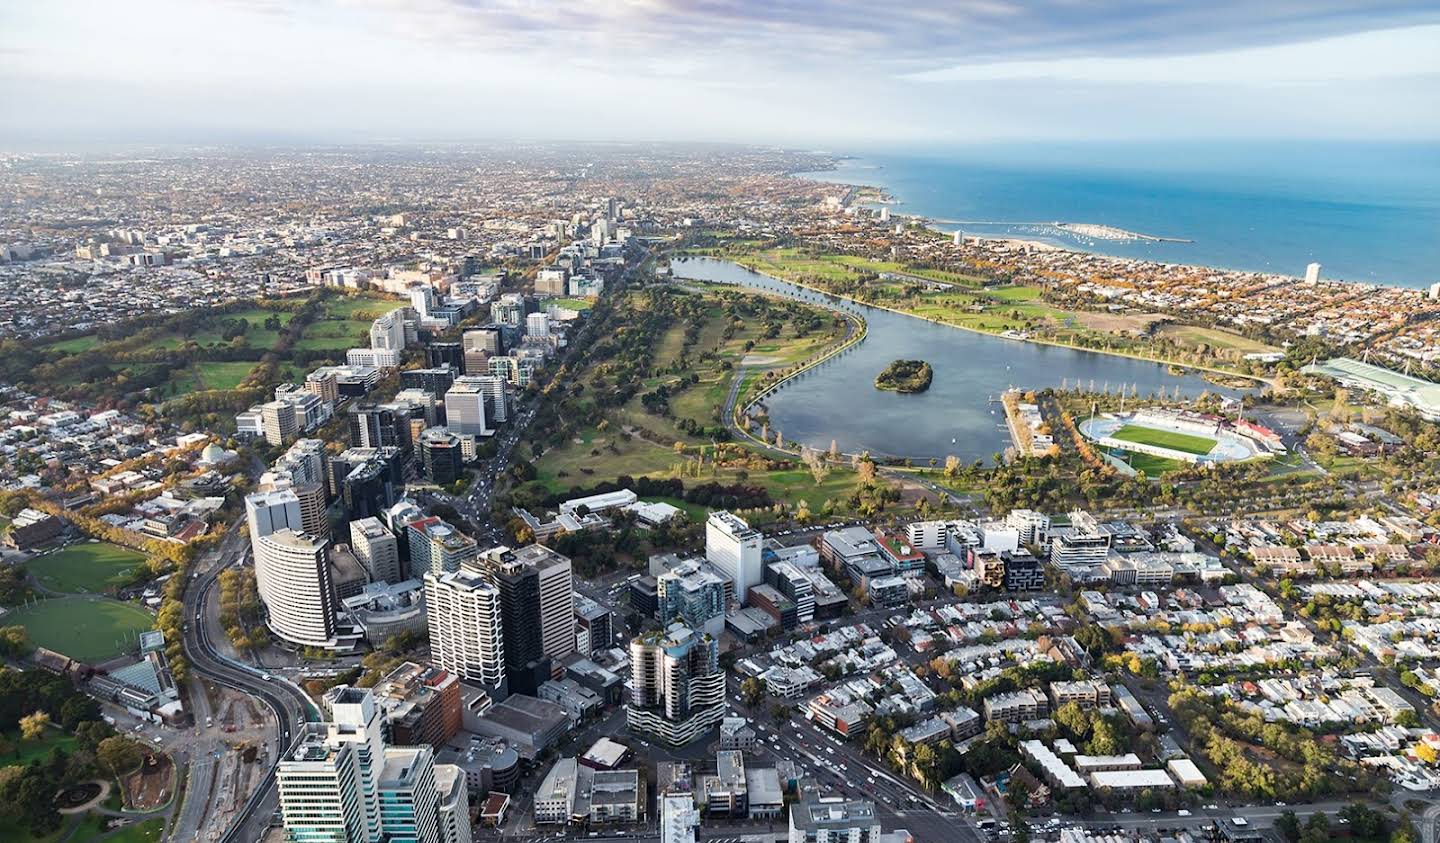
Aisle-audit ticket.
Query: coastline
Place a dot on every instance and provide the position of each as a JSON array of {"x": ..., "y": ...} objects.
[
  {"x": 1267, "y": 382},
  {"x": 839, "y": 175}
]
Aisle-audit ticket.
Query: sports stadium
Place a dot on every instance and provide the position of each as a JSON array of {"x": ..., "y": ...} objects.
[{"x": 1179, "y": 437}]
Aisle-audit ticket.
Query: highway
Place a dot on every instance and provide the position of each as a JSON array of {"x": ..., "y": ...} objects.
[{"x": 286, "y": 702}]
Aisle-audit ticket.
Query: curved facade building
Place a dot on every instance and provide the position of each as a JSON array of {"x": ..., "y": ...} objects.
[
  {"x": 677, "y": 688},
  {"x": 292, "y": 575}
]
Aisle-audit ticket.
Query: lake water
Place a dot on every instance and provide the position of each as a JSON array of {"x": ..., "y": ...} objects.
[{"x": 838, "y": 399}]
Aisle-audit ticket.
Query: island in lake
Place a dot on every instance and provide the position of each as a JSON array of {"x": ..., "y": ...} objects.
[{"x": 905, "y": 376}]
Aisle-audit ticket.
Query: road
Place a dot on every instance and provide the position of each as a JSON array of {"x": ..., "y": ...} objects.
[{"x": 287, "y": 703}]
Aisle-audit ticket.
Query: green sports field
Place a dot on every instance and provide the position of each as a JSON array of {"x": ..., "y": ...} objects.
[
  {"x": 1198, "y": 445},
  {"x": 86, "y": 567},
  {"x": 89, "y": 629}
]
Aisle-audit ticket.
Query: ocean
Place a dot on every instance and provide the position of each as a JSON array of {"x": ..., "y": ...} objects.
[{"x": 1365, "y": 211}]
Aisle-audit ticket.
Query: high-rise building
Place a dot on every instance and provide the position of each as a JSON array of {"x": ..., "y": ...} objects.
[
  {"x": 267, "y": 512},
  {"x": 323, "y": 383},
  {"x": 452, "y": 354},
  {"x": 537, "y": 325},
  {"x": 677, "y": 687},
  {"x": 437, "y": 547},
  {"x": 377, "y": 426},
  {"x": 292, "y": 575},
  {"x": 735, "y": 550},
  {"x": 1312, "y": 273},
  {"x": 367, "y": 481},
  {"x": 487, "y": 338},
  {"x": 388, "y": 332},
  {"x": 277, "y": 421},
  {"x": 434, "y": 380},
  {"x": 409, "y": 800},
  {"x": 440, "y": 456},
  {"x": 550, "y": 282},
  {"x": 466, "y": 632},
  {"x": 465, "y": 407},
  {"x": 319, "y": 796},
  {"x": 557, "y": 600},
  {"x": 691, "y": 594},
  {"x": 376, "y": 548},
  {"x": 454, "y": 813},
  {"x": 345, "y": 785},
  {"x": 526, "y": 667}
]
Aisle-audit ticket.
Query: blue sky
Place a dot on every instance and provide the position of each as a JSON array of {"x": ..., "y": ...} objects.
[{"x": 788, "y": 71}]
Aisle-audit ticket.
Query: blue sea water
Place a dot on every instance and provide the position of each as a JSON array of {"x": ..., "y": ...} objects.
[{"x": 1365, "y": 211}]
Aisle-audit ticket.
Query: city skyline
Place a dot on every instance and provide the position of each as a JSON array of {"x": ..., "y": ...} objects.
[{"x": 807, "y": 73}]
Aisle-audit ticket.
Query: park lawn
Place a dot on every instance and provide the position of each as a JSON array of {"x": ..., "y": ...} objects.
[
  {"x": 27, "y": 751},
  {"x": 86, "y": 567},
  {"x": 1215, "y": 338},
  {"x": 145, "y": 831},
  {"x": 636, "y": 458},
  {"x": 1174, "y": 440},
  {"x": 356, "y": 308},
  {"x": 796, "y": 484},
  {"x": 573, "y": 304},
  {"x": 333, "y": 334},
  {"x": 75, "y": 345},
  {"x": 88, "y": 629},
  {"x": 694, "y": 511},
  {"x": 223, "y": 375}
]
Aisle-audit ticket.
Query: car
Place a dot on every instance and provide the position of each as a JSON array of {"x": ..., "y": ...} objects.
[{"x": 1183, "y": 812}]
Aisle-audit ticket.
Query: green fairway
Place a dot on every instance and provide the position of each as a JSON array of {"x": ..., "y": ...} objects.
[
  {"x": 1173, "y": 440},
  {"x": 86, "y": 567},
  {"x": 224, "y": 375},
  {"x": 89, "y": 629}
]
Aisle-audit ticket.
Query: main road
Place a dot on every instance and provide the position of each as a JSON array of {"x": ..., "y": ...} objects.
[{"x": 287, "y": 703}]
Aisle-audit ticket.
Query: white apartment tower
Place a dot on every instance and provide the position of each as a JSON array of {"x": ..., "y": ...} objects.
[
  {"x": 1312, "y": 273},
  {"x": 357, "y": 722},
  {"x": 388, "y": 332},
  {"x": 345, "y": 785},
  {"x": 466, "y": 636},
  {"x": 735, "y": 550},
  {"x": 465, "y": 407},
  {"x": 292, "y": 575},
  {"x": 267, "y": 512}
]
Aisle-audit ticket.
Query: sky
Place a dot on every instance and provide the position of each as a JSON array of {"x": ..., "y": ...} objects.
[{"x": 795, "y": 72}]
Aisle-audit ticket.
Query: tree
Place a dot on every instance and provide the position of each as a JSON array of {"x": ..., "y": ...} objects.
[
  {"x": 118, "y": 755},
  {"x": 32, "y": 726},
  {"x": 1288, "y": 825},
  {"x": 1364, "y": 821},
  {"x": 752, "y": 691},
  {"x": 1317, "y": 829}
]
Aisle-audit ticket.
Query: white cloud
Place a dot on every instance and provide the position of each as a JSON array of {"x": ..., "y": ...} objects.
[{"x": 1383, "y": 54}]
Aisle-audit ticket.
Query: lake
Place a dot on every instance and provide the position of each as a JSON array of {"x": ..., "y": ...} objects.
[{"x": 959, "y": 414}]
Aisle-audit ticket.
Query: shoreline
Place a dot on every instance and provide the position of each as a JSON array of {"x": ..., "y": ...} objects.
[
  {"x": 891, "y": 198},
  {"x": 1266, "y": 382}
]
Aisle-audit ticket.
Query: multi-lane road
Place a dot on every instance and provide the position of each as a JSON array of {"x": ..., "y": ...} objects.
[{"x": 287, "y": 703}]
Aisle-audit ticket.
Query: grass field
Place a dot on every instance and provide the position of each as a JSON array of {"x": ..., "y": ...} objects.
[
  {"x": 1217, "y": 339},
  {"x": 88, "y": 629},
  {"x": 27, "y": 751},
  {"x": 86, "y": 567},
  {"x": 223, "y": 375},
  {"x": 1173, "y": 440},
  {"x": 1151, "y": 465},
  {"x": 573, "y": 304},
  {"x": 139, "y": 832}
]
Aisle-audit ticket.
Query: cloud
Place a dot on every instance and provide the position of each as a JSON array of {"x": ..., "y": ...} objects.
[{"x": 1386, "y": 54}]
